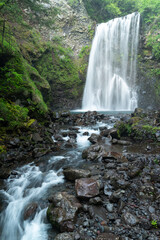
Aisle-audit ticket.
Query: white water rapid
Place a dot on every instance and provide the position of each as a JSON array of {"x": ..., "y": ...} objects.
[
  {"x": 111, "y": 75},
  {"x": 31, "y": 185}
]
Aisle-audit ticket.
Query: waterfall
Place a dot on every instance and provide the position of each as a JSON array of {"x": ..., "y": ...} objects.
[{"x": 111, "y": 75}]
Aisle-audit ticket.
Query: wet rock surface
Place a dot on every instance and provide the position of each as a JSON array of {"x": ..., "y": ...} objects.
[{"x": 123, "y": 200}]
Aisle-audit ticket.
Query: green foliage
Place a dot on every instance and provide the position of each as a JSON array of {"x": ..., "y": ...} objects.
[
  {"x": 91, "y": 32},
  {"x": 73, "y": 2},
  {"x": 154, "y": 223},
  {"x": 123, "y": 129},
  {"x": 2, "y": 149},
  {"x": 58, "y": 67},
  {"x": 37, "y": 11},
  {"x": 104, "y": 10},
  {"x": 83, "y": 61},
  {"x": 14, "y": 115},
  {"x": 153, "y": 39}
]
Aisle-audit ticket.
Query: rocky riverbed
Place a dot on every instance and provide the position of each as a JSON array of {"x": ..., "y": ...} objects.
[{"x": 109, "y": 190}]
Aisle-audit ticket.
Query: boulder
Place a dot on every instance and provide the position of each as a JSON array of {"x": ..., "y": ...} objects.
[
  {"x": 30, "y": 211},
  {"x": 94, "y": 152},
  {"x": 105, "y": 132},
  {"x": 94, "y": 138},
  {"x": 114, "y": 133},
  {"x": 73, "y": 174},
  {"x": 63, "y": 211},
  {"x": 87, "y": 187}
]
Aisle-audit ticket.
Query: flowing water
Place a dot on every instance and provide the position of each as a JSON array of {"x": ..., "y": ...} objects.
[
  {"x": 111, "y": 76},
  {"x": 32, "y": 184}
]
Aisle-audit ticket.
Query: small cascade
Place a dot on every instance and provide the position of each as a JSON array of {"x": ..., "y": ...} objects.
[{"x": 111, "y": 75}]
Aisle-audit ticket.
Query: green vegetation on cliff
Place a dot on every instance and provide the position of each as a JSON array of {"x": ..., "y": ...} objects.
[
  {"x": 104, "y": 10},
  {"x": 31, "y": 67}
]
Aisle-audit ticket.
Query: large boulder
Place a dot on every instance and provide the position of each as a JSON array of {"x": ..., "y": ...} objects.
[
  {"x": 94, "y": 152},
  {"x": 94, "y": 138},
  {"x": 87, "y": 187},
  {"x": 63, "y": 211},
  {"x": 73, "y": 174}
]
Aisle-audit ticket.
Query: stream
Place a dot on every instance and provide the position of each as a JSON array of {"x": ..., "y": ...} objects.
[
  {"x": 33, "y": 183},
  {"x": 25, "y": 194}
]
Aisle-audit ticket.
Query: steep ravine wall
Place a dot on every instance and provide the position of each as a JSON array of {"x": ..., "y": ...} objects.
[
  {"x": 148, "y": 66},
  {"x": 74, "y": 29}
]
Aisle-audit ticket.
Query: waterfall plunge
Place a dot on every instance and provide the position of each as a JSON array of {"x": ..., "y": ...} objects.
[{"x": 111, "y": 75}]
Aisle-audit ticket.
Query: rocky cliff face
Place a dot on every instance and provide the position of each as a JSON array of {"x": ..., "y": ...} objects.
[
  {"x": 65, "y": 65},
  {"x": 148, "y": 75},
  {"x": 72, "y": 24}
]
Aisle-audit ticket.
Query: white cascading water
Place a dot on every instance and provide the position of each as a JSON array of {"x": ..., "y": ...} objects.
[{"x": 111, "y": 75}]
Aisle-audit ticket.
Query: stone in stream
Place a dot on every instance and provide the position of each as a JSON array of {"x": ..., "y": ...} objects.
[
  {"x": 94, "y": 138},
  {"x": 30, "y": 211},
  {"x": 63, "y": 211},
  {"x": 114, "y": 133},
  {"x": 94, "y": 152},
  {"x": 105, "y": 132},
  {"x": 86, "y": 187},
  {"x": 73, "y": 174}
]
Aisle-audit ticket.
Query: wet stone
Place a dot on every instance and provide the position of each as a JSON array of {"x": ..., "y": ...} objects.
[
  {"x": 64, "y": 236},
  {"x": 130, "y": 219},
  {"x": 30, "y": 211},
  {"x": 107, "y": 236},
  {"x": 109, "y": 207},
  {"x": 116, "y": 196},
  {"x": 86, "y": 187},
  {"x": 73, "y": 174},
  {"x": 96, "y": 201}
]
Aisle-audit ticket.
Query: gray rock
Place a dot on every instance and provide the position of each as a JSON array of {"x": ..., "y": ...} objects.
[
  {"x": 109, "y": 207},
  {"x": 64, "y": 236},
  {"x": 130, "y": 219},
  {"x": 73, "y": 174},
  {"x": 107, "y": 189},
  {"x": 37, "y": 138},
  {"x": 94, "y": 138},
  {"x": 107, "y": 236},
  {"x": 63, "y": 211},
  {"x": 116, "y": 196},
  {"x": 96, "y": 201}
]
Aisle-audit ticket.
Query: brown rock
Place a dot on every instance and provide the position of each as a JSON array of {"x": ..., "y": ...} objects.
[
  {"x": 87, "y": 187},
  {"x": 73, "y": 174},
  {"x": 114, "y": 155},
  {"x": 30, "y": 211},
  {"x": 63, "y": 211}
]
